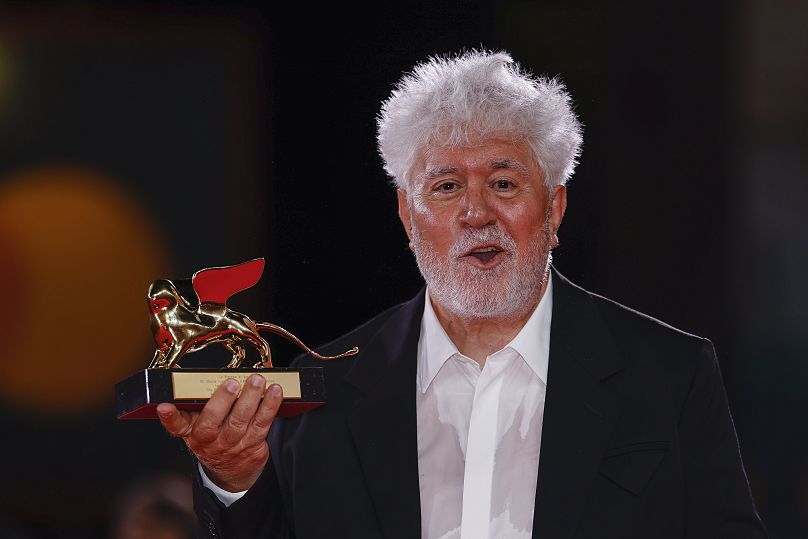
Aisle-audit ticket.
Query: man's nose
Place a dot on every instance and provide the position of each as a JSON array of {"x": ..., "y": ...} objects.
[{"x": 478, "y": 211}]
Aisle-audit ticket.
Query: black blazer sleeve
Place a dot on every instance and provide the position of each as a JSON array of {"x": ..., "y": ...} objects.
[
  {"x": 259, "y": 513},
  {"x": 718, "y": 503}
]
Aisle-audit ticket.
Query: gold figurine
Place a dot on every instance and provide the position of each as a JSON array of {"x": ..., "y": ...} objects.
[{"x": 179, "y": 327}]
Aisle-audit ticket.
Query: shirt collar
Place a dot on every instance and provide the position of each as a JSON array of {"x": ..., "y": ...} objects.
[{"x": 532, "y": 342}]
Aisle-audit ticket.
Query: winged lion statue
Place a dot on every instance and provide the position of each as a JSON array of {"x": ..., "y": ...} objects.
[{"x": 182, "y": 325}]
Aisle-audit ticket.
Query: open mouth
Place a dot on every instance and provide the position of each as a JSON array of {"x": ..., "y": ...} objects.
[{"x": 485, "y": 254}]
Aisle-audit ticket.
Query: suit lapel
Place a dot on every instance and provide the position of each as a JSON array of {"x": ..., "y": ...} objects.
[
  {"x": 383, "y": 423},
  {"x": 579, "y": 411},
  {"x": 578, "y": 418}
]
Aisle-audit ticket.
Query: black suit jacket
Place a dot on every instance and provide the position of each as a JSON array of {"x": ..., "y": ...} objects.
[{"x": 637, "y": 438}]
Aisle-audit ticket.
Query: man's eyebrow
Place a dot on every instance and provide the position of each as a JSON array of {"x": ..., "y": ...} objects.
[
  {"x": 510, "y": 164},
  {"x": 439, "y": 171}
]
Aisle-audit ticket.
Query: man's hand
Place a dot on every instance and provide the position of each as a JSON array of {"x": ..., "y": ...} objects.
[{"x": 229, "y": 435}]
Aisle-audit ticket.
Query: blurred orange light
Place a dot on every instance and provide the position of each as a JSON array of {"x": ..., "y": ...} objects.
[{"x": 77, "y": 254}]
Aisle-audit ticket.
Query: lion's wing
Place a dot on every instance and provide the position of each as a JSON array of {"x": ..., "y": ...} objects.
[{"x": 216, "y": 285}]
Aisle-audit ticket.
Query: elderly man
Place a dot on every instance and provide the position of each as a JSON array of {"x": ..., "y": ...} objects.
[{"x": 502, "y": 401}]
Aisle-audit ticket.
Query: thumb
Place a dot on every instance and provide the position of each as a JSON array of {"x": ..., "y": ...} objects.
[{"x": 177, "y": 423}]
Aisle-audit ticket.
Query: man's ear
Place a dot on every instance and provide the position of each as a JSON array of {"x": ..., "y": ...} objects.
[
  {"x": 404, "y": 212},
  {"x": 558, "y": 206}
]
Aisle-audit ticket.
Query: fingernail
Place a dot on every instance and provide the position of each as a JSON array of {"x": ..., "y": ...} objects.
[
  {"x": 256, "y": 380},
  {"x": 231, "y": 385},
  {"x": 275, "y": 390}
]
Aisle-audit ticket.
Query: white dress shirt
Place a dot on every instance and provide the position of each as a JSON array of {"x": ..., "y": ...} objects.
[{"x": 479, "y": 432}]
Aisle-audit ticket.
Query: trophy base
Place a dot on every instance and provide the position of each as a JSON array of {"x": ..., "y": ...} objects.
[{"x": 137, "y": 397}]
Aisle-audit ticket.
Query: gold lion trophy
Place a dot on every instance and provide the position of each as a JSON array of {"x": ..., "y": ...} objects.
[{"x": 182, "y": 325}]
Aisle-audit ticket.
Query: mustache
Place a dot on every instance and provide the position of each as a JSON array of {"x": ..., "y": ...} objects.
[{"x": 476, "y": 237}]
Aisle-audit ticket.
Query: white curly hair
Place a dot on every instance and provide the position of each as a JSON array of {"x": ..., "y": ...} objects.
[{"x": 447, "y": 99}]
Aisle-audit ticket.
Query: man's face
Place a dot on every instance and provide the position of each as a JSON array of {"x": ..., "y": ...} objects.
[{"x": 482, "y": 223}]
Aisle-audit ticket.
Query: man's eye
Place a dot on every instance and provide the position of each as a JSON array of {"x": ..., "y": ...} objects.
[
  {"x": 503, "y": 184},
  {"x": 446, "y": 187}
]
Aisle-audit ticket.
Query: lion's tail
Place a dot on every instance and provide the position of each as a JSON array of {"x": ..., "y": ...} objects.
[{"x": 288, "y": 335}]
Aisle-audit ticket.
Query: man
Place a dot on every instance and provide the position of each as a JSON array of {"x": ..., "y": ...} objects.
[{"x": 502, "y": 401}]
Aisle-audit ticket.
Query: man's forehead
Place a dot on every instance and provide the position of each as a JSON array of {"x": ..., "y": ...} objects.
[
  {"x": 433, "y": 170},
  {"x": 490, "y": 153}
]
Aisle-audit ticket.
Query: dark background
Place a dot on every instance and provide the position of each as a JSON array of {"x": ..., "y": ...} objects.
[{"x": 241, "y": 130}]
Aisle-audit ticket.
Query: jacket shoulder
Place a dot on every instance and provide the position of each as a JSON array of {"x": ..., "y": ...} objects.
[
  {"x": 626, "y": 320},
  {"x": 357, "y": 336},
  {"x": 677, "y": 356},
  {"x": 658, "y": 353}
]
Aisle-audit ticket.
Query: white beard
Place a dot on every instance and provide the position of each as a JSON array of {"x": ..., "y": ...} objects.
[{"x": 509, "y": 290}]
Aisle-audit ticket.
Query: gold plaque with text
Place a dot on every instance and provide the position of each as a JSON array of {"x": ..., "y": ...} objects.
[{"x": 200, "y": 385}]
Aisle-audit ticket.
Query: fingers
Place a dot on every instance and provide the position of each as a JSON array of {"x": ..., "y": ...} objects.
[
  {"x": 229, "y": 419},
  {"x": 244, "y": 409},
  {"x": 264, "y": 415},
  {"x": 216, "y": 410}
]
